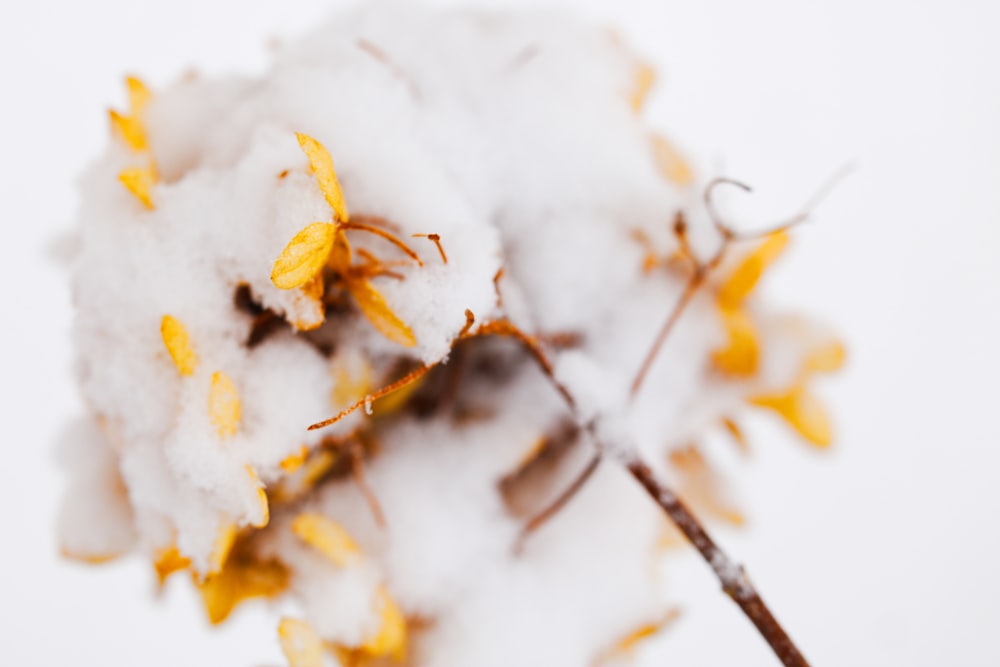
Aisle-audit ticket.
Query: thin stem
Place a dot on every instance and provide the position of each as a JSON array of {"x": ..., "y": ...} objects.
[
  {"x": 733, "y": 577},
  {"x": 553, "y": 508}
]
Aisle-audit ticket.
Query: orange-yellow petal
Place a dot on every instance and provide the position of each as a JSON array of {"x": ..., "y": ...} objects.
[
  {"x": 671, "y": 164},
  {"x": 645, "y": 77},
  {"x": 168, "y": 561},
  {"x": 139, "y": 181},
  {"x": 304, "y": 256},
  {"x": 242, "y": 578},
  {"x": 293, "y": 462},
  {"x": 743, "y": 279},
  {"x": 224, "y": 405},
  {"x": 803, "y": 412},
  {"x": 740, "y": 357},
  {"x": 340, "y": 256},
  {"x": 138, "y": 96},
  {"x": 300, "y": 643},
  {"x": 265, "y": 510},
  {"x": 220, "y": 550},
  {"x": 178, "y": 344},
  {"x": 328, "y": 537},
  {"x": 130, "y": 129},
  {"x": 390, "y": 640},
  {"x": 322, "y": 165},
  {"x": 826, "y": 358},
  {"x": 374, "y": 307}
]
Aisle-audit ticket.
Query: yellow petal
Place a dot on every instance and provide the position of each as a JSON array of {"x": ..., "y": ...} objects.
[
  {"x": 741, "y": 354},
  {"x": 293, "y": 462},
  {"x": 261, "y": 498},
  {"x": 178, "y": 344},
  {"x": 390, "y": 640},
  {"x": 802, "y": 411},
  {"x": 645, "y": 76},
  {"x": 138, "y": 96},
  {"x": 220, "y": 550},
  {"x": 826, "y": 358},
  {"x": 394, "y": 401},
  {"x": 300, "y": 643},
  {"x": 242, "y": 578},
  {"x": 224, "y": 405},
  {"x": 340, "y": 256},
  {"x": 374, "y": 307},
  {"x": 169, "y": 561},
  {"x": 322, "y": 165},
  {"x": 130, "y": 129},
  {"x": 671, "y": 165},
  {"x": 304, "y": 256},
  {"x": 352, "y": 379},
  {"x": 328, "y": 537},
  {"x": 743, "y": 279},
  {"x": 139, "y": 181},
  {"x": 627, "y": 644}
]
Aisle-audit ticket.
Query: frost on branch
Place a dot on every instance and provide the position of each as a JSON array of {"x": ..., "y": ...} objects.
[{"x": 445, "y": 240}]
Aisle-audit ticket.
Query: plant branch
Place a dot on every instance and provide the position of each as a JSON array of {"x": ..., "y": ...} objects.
[{"x": 733, "y": 576}]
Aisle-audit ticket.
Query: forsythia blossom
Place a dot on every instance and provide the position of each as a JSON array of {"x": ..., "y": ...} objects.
[{"x": 464, "y": 208}]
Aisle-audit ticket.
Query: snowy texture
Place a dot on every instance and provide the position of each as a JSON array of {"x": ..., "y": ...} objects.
[{"x": 258, "y": 255}]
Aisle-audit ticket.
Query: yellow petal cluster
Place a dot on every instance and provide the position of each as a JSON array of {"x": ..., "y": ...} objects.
[{"x": 739, "y": 357}]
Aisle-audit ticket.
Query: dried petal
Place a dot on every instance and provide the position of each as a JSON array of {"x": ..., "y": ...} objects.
[
  {"x": 293, "y": 462},
  {"x": 130, "y": 129},
  {"x": 645, "y": 77},
  {"x": 224, "y": 405},
  {"x": 261, "y": 498},
  {"x": 168, "y": 561},
  {"x": 701, "y": 485},
  {"x": 242, "y": 578},
  {"x": 178, "y": 344},
  {"x": 138, "y": 96},
  {"x": 374, "y": 307},
  {"x": 304, "y": 256},
  {"x": 322, "y": 165},
  {"x": 826, "y": 358},
  {"x": 741, "y": 354},
  {"x": 300, "y": 643},
  {"x": 743, "y": 279},
  {"x": 803, "y": 412},
  {"x": 671, "y": 165},
  {"x": 340, "y": 256},
  {"x": 390, "y": 640},
  {"x": 328, "y": 537},
  {"x": 139, "y": 181},
  {"x": 223, "y": 545}
]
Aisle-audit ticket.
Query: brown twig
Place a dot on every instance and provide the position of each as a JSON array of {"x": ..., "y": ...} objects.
[
  {"x": 388, "y": 236},
  {"x": 728, "y": 235},
  {"x": 358, "y": 472},
  {"x": 734, "y": 579},
  {"x": 553, "y": 508},
  {"x": 436, "y": 239}
]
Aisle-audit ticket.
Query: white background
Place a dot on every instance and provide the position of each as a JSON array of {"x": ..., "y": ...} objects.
[{"x": 881, "y": 552}]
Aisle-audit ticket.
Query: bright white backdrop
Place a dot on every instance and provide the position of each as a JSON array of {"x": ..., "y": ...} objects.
[{"x": 882, "y": 552}]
